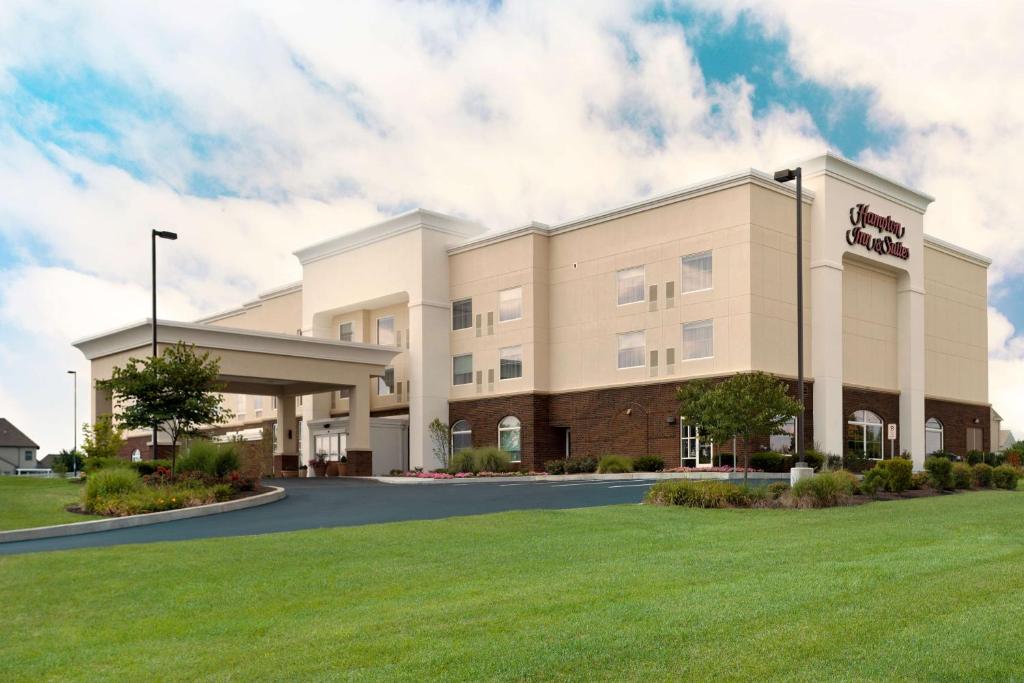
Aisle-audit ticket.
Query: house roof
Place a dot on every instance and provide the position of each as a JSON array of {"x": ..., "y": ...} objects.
[{"x": 12, "y": 437}]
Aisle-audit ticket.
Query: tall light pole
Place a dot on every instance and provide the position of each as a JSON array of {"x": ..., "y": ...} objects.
[
  {"x": 167, "y": 235},
  {"x": 784, "y": 176},
  {"x": 74, "y": 419}
]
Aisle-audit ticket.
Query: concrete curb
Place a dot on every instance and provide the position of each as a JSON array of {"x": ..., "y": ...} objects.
[
  {"x": 717, "y": 476},
  {"x": 95, "y": 525}
]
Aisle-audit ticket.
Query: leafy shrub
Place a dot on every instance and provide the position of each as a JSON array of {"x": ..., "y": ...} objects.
[
  {"x": 705, "y": 494},
  {"x": 919, "y": 480},
  {"x": 857, "y": 462},
  {"x": 580, "y": 466},
  {"x": 109, "y": 482},
  {"x": 940, "y": 472},
  {"x": 813, "y": 458},
  {"x": 1005, "y": 477},
  {"x": 899, "y": 472},
  {"x": 555, "y": 467},
  {"x": 145, "y": 467},
  {"x": 222, "y": 492},
  {"x": 216, "y": 460},
  {"x": 876, "y": 479},
  {"x": 827, "y": 489},
  {"x": 723, "y": 460},
  {"x": 768, "y": 461},
  {"x": 648, "y": 463},
  {"x": 776, "y": 489},
  {"x": 614, "y": 464},
  {"x": 851, "y": 480},
  {"x": 1012, "y": 458},
  {"x": 982, "y": 475},
  {"x": 975, "y": 457},
  {"x": 963, "y": 476}
]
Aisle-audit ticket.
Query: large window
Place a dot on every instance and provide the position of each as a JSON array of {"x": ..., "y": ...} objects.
[
  {"x": 462, "y": 369},
  {"x": 510, "y": 304},
  {"x": 630, "y": 285},
  {"x": 698, "y": 339},
  {"x": 933, "y": 436},
  {"x": 240, "y": 409},
  {"x": 257, "y": 405},
  {"x": 510, "y": 362},
  {"x": 786, "y": 441},
  {"x": 696, "y": 272},
  {"x": 331, "y": 446},
  {"x": 508, "y": 437},
  {"x": 864, "y": 434},
  {"x": 694, "y": 449},
  {"x": 631, "y": 350},
  {"x": 386, "y": 331},
  {"x": 386, "y": 383},
  {"x": 462, "y": 314},
  {"x": 462, "y": 436},
  {"x": 345, "y": 332}
]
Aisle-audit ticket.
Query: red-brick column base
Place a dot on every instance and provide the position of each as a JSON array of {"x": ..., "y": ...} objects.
[
  {"x": 285, "y": 462},
  {"x": 360, "y": 463}
]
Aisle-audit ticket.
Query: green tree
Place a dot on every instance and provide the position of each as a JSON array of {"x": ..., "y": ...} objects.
[
  {"x": 103, "y": 439},
  {"x": 441, "y": 437},
  {"x": 746, "y": 406},
  {"x": 177, "y": 391}
]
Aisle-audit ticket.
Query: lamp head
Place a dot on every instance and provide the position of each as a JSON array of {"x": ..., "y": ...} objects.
[
  {"x": 785, "y": 175},
  {"x": 72, "y": 372},
  {"x": 166, "y": 234}
]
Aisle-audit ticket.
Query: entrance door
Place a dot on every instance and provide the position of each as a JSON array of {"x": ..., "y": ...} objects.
[{"x": 694, "y": 450}]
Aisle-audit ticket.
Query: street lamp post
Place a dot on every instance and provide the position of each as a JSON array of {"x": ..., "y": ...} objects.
[
  {"x": 784, "y": 176},
  {"x": 167, "y": 235},
  {"x": 74, "y": 421}
]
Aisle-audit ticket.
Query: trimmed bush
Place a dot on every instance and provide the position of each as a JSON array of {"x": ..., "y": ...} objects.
[
  {"x": 768, "y": 461},
  {"x": 963, "y": 476},
  {"x": 827, "y": 489},
  {"x": 1005, "y": 477},
  {"x": 940, "y": 472},
  {"x": 813, "y": 458},
  {"x": 555, "y": 467},
  {"x": 705, "y": 494},
  {"x": 919, "y": 480},
  {"x": 580, "y": 466},
  {"x": 113, "y": 481},
  {"x": 982, "y": 475},
  {"x": 648, "y": 463},
  {"x": 723, "y": 460},
  {"x": 876, "y": 479},
  {"x": 857, "y": 463},
  {"x": 899, "y": 474},
  {"x": 614, "y": 464}
]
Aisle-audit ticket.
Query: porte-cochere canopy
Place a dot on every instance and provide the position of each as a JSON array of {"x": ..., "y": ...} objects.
[{"x": 260, "y": 363}]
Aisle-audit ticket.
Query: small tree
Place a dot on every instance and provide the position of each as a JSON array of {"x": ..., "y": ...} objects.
[
  {"x": 103, "y": 439},
  {"x": 744, "y": 406},
  {"x": 441, "y": 437},
  {"x": 177, "y": 391}
]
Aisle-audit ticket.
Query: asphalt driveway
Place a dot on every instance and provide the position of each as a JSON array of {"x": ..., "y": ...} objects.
[{"x": 318, "y": 503}]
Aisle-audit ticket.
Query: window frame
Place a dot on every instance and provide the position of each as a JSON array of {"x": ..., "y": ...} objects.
[
  {"x": 514, "y": 456},
  {"x": 351, "y": 331},
  {"x": 468, "y": 430},
  {"x": 709, "y": 253},
  {"x": 618, "y": 285},
  {"x": 394, "y": 337},
  {"x": 462, "y": 301},
  {"x": 685, "y": 437},
  {"x": 462, "y": 355},
  {"x": 863, "y": 425},
  {"x": 710, "y": 323},
  {"x": 502, "y": 319},
  {"x": 619, "y": 349},
  {"x": 790, "y": 424},
  {"x": 940, "y": 430},
  {"x": 501, "y": 367}
]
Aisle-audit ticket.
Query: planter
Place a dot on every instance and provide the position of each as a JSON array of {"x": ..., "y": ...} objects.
[
  {"x": 331, "y": 469},
  {"x": 319, "y": 469},
  {"x": 290, "y": 474},
  {"x": 342, "y": 469}
]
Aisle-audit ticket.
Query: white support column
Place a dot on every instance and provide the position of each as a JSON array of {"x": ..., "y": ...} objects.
[
  {"x": 358, "y": 436},
  {"x": 827, "y": 355},
  {"x": 429, "y": 361},
  {"x": 910, "y": 361}
]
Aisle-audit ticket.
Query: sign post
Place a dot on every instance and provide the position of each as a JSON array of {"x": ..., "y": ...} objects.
[{"x": 892, "y": 439}]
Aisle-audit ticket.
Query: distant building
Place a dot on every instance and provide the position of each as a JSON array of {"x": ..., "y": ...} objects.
[{"x": 16, "y": 449}]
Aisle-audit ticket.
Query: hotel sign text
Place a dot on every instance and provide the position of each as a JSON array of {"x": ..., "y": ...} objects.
[{"x": 889, "y": 233}]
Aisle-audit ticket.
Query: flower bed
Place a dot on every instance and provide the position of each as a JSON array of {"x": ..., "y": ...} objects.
[
  {"x": 720, "y": 468},
  {"x": 461, "y": 475}
]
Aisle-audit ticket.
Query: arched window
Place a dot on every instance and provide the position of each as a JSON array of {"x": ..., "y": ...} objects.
[
  {"x": 785, "y": 441},
  {"x": 136, "y": 455},
  {"x": 508, "y": 437},
  {"x": 462, "y": 436},
  {"x": 933, "y": 437},
  {"x": 864, "y": 434}
]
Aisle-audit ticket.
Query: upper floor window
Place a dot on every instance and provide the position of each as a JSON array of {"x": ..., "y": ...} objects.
[
  {"x": 386, "y": 331},
  {"x": 257, "y": 405},
  {"x": 630, "y": 285},
  {"x": 28, "y": 456},
  {"x": 510, "y": 362},
  {"x": 462, "y": 369},
  {"x": 345, "y": 332},
  {"x": 462, "y": 314},
  {"x": 631, "y": 350},
  {"x": 386, "y": 383},
  {"x": 510, "y": 304},
  {"x": 696, "y": 272},
  {"x": 698, "y": 340},
  {"x": 240, "y": 402}
]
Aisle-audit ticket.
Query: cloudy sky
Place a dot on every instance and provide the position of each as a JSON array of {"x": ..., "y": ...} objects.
[{"x": 254, "y": 128}]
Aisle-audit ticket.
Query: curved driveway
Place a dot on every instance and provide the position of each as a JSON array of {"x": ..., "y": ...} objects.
[{"x": 318, "y": 503}]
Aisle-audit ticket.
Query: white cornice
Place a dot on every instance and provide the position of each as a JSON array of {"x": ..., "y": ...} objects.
[
  {"x": 139, "y": 336},
  {"x": 840, "y": 168},
  {"x": 749, "y": 176},
  {"x": 283, "y": 290},
  {"x": 958, "y": 252},
  {"x": 397, "y": 225}
]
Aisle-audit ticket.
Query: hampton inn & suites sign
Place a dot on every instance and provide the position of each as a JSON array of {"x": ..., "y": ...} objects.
[{"x": 886, "y": 242}]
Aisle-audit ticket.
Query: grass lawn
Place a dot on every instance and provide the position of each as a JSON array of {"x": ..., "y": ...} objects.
[
  {"x": 926, "y": 589},
  {"x": 28, "y": 501}
]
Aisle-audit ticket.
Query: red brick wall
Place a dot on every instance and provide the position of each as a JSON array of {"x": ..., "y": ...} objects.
[{"x": 955, "y": 419}]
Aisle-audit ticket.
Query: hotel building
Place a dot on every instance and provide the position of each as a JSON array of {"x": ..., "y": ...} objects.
[{"x": 571, "y": 339}]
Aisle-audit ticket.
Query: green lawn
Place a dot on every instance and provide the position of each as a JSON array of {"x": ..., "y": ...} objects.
[
  {"x": 926, "y": 589},
  {"x": 28, "y": 501}
]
